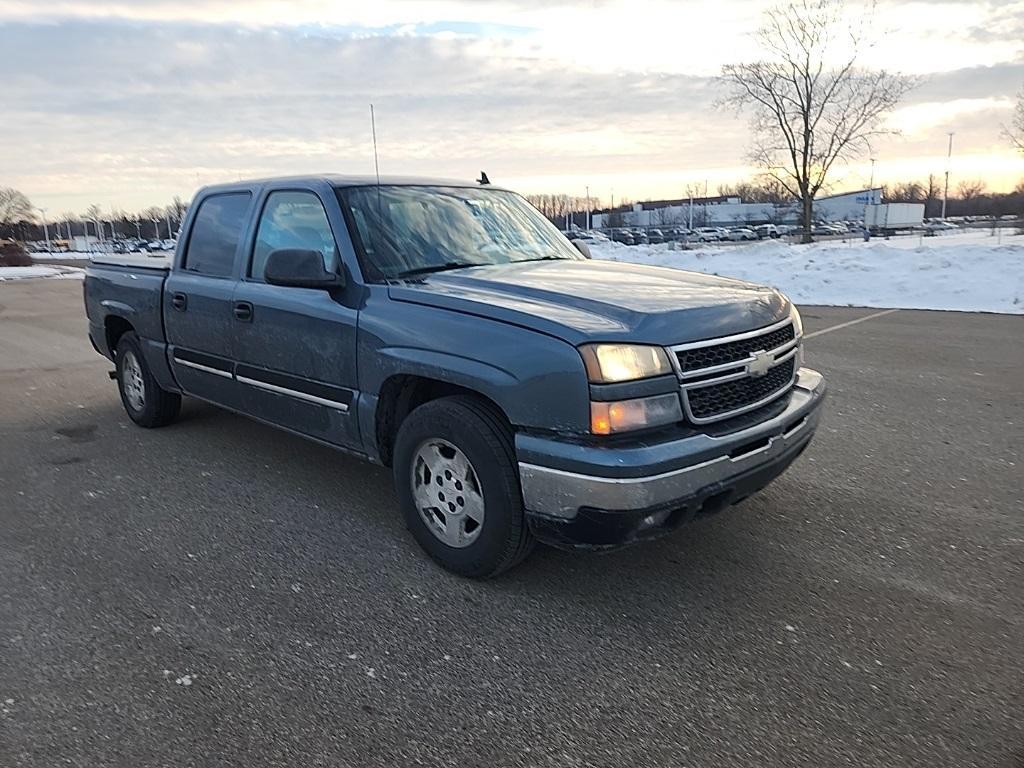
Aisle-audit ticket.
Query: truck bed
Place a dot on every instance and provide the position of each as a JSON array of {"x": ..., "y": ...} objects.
[{"x": 128, "y": 288}]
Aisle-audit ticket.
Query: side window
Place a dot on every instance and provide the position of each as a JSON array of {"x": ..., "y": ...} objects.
[
  {"x": 215, "y": 234},
  {"x": 292, "y": 220}
]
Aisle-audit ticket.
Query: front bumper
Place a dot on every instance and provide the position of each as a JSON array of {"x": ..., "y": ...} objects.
[{"x": 594, "y": 497}]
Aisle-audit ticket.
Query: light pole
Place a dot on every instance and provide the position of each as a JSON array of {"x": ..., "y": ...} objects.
[
  {"x": 588, "y": 207},
  {"x": 46, "y": 229},
  {"x": 871, "y": 184},
  {"x": 945, "y": 192}
]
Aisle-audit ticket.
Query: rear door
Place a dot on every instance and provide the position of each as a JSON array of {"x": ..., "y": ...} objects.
[
  {"x": 197, "y": 298},
  {"x": 295, "y": 348}
]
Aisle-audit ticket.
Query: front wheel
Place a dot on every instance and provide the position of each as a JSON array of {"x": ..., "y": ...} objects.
[
  {"x": 146, "y": 403},
  {"x": 458, "y": 484}
]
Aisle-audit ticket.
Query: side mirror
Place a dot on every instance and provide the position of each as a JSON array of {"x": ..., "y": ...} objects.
[
  {"x": 299, "y": 269},
  {"x": 583, "y": 248}
]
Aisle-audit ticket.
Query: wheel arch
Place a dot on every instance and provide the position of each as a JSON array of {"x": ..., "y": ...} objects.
[
  {"x": 114, "y": 327},
  {"x": 401, "y": 393}
]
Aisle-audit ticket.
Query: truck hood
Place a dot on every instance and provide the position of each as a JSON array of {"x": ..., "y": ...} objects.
[{"x": 581, "y": 301}]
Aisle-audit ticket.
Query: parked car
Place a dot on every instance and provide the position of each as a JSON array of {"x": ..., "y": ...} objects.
[
  {"x": 707, "y": 235},
  {"x": 587, "y": 235},
  {"x": 639, "y": 236},
  {"x": 741, "y": 233},
  {"x": 936, "y": 226},
  {"x": 518, "y": 391},
  {"x": 766, "y": 230},
  {"x": 679, "y": 234},
  {"x": 623, "y": 236},
  {"x": 655, "y": 236},
  {"x": 824, "y": 229}
]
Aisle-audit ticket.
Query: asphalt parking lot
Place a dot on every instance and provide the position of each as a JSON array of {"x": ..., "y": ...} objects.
[{"x": 221, "y": 593}]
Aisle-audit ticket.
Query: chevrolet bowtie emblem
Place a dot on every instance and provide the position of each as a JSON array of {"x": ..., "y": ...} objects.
[{"x": 760, "y": 365}]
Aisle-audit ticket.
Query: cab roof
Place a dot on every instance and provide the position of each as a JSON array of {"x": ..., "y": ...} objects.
[{"x": 340, "y": 180}]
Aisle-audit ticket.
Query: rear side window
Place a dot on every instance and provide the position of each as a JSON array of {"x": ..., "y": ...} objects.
[{"x": 215, "y": 234}]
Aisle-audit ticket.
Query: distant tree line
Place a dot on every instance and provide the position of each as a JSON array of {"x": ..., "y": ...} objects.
[
  {"x": 968, "y": 198},
  {"x": 20, "y": 220}
]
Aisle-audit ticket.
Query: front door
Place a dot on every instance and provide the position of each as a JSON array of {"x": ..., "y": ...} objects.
[
  {"x": 295, "y": 348},
  {"x": 197, "y": 299}
]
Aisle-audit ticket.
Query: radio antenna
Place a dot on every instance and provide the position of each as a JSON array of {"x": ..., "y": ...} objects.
[
  {"x": 376, "y": 164},
  {"x": 373, "y": 130}
]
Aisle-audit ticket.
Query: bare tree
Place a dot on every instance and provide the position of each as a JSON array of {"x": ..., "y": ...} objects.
[
  {"x": 154, "y": 214},
  {"x": 969, "y": 190},
  {"x": 94, "y": 214},
  {"x": 762, "y": 189},
  {"x": 177, "y": 209},
  {"x": 1015, "y": 131},
  {"x": 904, "y": 192},
  {"x": 14, "y": 207},
  {"x": 812, "y": 103}
]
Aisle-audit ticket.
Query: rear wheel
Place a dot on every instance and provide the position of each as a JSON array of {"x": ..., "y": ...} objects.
[
  {"x": 458, "y": 483},
  {"x": 146, "y": 403}
]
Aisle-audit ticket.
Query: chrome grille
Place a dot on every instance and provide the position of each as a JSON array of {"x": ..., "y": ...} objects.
[
  {"x": 714, "y": 400},
  {"x": 732, "y": 351},
  {"x": 725, "y": 377}
]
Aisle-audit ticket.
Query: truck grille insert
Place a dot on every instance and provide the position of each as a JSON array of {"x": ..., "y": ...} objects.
[
  {"x": 722, "y": 378},
  {"x": 720, "y": 400},
  {"x": 732, "y": 351}
]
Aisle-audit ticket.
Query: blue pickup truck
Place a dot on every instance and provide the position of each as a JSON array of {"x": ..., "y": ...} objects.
[{"x": 519, "y": 390}]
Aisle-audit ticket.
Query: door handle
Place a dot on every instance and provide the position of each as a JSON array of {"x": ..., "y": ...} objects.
[
  {"x": 243, "y": 311},
  {"x": 179, "y": 301}
]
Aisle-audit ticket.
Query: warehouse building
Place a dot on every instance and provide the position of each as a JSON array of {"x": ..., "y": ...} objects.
[{"x": 731, "y": 211}]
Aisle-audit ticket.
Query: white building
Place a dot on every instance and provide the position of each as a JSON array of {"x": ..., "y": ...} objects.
[
  {"x": 849, "y": 206},
  {"x": 730, "y": 211}
]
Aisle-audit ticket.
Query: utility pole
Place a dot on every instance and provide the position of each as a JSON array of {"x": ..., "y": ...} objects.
[
  {"x": 46, "y": 229},
  {"x": 945, "y": 192},
  {"x": 588, "y": 206},
  {"x": 871, "y": 199}
]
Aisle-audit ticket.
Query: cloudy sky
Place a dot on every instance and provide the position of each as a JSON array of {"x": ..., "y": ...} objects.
[{"x": 128, "y": 102}]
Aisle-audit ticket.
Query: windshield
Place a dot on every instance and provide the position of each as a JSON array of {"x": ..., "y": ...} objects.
[{"x": 409, "y": 230}]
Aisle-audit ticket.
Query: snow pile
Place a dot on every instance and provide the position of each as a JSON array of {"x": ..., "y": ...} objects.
[
  {"x": 38, "y": 270},
  {"x": 969, "y": 274}
]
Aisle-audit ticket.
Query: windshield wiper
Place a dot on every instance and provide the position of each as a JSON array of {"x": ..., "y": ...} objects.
[
  {"x": 543, "y": 258},
  {"x": 436, "y": 268}
]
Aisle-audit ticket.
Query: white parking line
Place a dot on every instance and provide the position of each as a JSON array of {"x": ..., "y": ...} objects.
[{"x": 849, "y": 323}]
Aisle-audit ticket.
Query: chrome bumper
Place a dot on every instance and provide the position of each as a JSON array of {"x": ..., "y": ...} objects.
[{"x": 558, "y": 493}]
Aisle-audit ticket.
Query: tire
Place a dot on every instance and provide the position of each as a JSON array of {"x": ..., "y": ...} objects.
[
  {"x": 146, "y": 403},
  {"x": 484, "y": 531}
]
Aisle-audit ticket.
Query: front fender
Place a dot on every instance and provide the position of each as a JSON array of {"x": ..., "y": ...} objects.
[{"x": 537, "y": 380}]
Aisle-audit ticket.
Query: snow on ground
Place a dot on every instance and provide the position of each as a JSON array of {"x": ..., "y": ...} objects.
[
  {"x": 969, "y": 272},
  {"x": 38, "y": 270}
]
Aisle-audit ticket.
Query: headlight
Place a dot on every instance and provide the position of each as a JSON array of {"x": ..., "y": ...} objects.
[
  {"x": 798, "y": 330},
  {"x": 610, "y": 363},
  {"x": 627, "y": 415}
]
